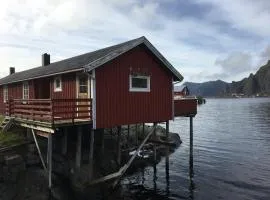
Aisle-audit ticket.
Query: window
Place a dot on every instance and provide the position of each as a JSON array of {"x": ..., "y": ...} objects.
[
  {"x": 139, "y": 83},
  {"x": 83, "y": 84},
  {"x": 58, "y": 84},
  {"x": 25, "y": 90},
  {"x": 5, "y": 92}
]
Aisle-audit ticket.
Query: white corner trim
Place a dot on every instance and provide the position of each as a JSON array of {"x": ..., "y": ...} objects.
[
  {"x": 93, "y": 95},
  {"x": 172, "y": 100}
]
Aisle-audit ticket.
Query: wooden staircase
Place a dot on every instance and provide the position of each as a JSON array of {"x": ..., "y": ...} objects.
[{"x": 6, "y": 124}]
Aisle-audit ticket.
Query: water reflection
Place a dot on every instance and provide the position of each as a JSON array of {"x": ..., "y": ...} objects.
[{"x": 231, "y": 156}]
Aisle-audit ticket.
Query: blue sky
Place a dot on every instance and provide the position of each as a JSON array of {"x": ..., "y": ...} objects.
[{"x": 204, "y": 39}]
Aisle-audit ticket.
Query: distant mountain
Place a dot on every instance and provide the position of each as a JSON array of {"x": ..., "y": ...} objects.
[
  {"x": 258, "y": 84},
  {"x": 207, "y": 89}
]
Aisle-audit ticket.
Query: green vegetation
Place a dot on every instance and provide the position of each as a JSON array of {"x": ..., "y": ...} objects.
[{"x": 11, "y": 137}]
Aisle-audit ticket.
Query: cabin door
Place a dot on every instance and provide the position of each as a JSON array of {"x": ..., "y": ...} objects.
[{"x": 83, "y": 92}]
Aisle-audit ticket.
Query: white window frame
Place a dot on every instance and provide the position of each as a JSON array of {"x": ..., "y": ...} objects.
[
  {"x": 136, "y": 89},
  {"x": 57, "y": 89},
  {"x": 25, "y": 88},
  {"x": 5, "y": 93}
]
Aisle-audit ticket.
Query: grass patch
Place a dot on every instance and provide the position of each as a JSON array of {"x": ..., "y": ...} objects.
[{"x": 11, "y": 137}]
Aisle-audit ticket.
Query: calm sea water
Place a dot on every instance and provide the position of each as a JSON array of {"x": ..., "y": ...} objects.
[{"x": 231, "y": 156}]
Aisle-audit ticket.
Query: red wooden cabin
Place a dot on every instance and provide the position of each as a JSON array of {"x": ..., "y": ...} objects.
[{"x": 127, "y": 83}]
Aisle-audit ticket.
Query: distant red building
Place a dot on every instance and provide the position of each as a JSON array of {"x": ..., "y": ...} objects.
[{"x": 181, "y": 91}]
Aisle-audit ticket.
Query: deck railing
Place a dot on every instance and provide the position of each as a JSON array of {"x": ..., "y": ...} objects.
[{"x": 50, "y": 110}]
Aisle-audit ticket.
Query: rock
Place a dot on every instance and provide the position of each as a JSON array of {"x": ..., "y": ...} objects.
[
  {"x": 13, "y": 159},
  {"x": 175, "y": 138}
]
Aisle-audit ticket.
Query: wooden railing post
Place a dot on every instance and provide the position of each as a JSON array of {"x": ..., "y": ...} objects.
[
  {"x": 74, "y": 110},
  {"x": 52, "y": 111},
  {"x": 8, "y": 107}
]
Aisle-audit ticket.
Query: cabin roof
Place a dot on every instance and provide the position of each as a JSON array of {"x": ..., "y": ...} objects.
[{"x": 88, "y": 62}]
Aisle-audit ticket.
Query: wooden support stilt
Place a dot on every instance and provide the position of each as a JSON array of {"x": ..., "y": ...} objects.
[
  {"x": 143, "y": 131},
  {"x": 28, "y": 133},
  {"x": 128, "y": 133},
  {"x": 136, "y": 134},
  {"x": 167, "y": 172},
  {"x": 119, "y": 145},
  {"x": 191, "y": 172},
  {"x": 155, "y": 177},
  {"x": 102, "y": 141},
  {"x": 191, "y": 145},
  {"x": 79, "y": 148},
  {"x": 91, "y": 154},
  {"x": 64, "y": 141},
  {"x": 39, "y": 152},
  {"x": 50, "y": 160},
  {"x": 154, "y": 146},
  {"x": 167, "y": 130}
]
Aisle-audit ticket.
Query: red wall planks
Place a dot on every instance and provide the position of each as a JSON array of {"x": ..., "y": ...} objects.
[
  {"x": 115, "y": 105},
  {"x": 68, "y": 87}
]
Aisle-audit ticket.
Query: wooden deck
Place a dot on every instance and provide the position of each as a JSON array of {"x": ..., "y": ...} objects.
[
  {"x": 185, "y": 107},
  {"x": 50, "y": 113}
]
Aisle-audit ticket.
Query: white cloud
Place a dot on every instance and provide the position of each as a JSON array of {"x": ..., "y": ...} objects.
[
  {"x": 235, "y": 63},
  {"x": 249, "y": 15},
  {"x": 67, "y": 28}
]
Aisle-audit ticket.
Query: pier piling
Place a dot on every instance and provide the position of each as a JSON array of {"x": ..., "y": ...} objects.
[
  {"x": 119, "y": 145},
  {"x": 64, "y": 141},
  {"x": 91, "y": 153},
  {"x": 79, "y": 148},
  {"x": 191, "y": 145},
  {"x": 50, "y": 159}
]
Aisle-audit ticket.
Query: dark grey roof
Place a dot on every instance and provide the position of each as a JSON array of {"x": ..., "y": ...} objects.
[{"x": 87, "y": 62}]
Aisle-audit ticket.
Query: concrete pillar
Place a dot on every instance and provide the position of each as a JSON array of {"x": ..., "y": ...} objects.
[{"x": 79, "y": 148}]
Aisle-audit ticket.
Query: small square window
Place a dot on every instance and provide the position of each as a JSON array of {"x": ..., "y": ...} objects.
[
  {"x": 25, "y": 90},
  {"x": 58, "y": 84},
  {"x": 5, "y": 91},
  {"x": 139, "y": 83}
]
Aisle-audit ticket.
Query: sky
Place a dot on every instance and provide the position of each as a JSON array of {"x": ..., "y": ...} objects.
[{"x": 203, "y": 39}]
